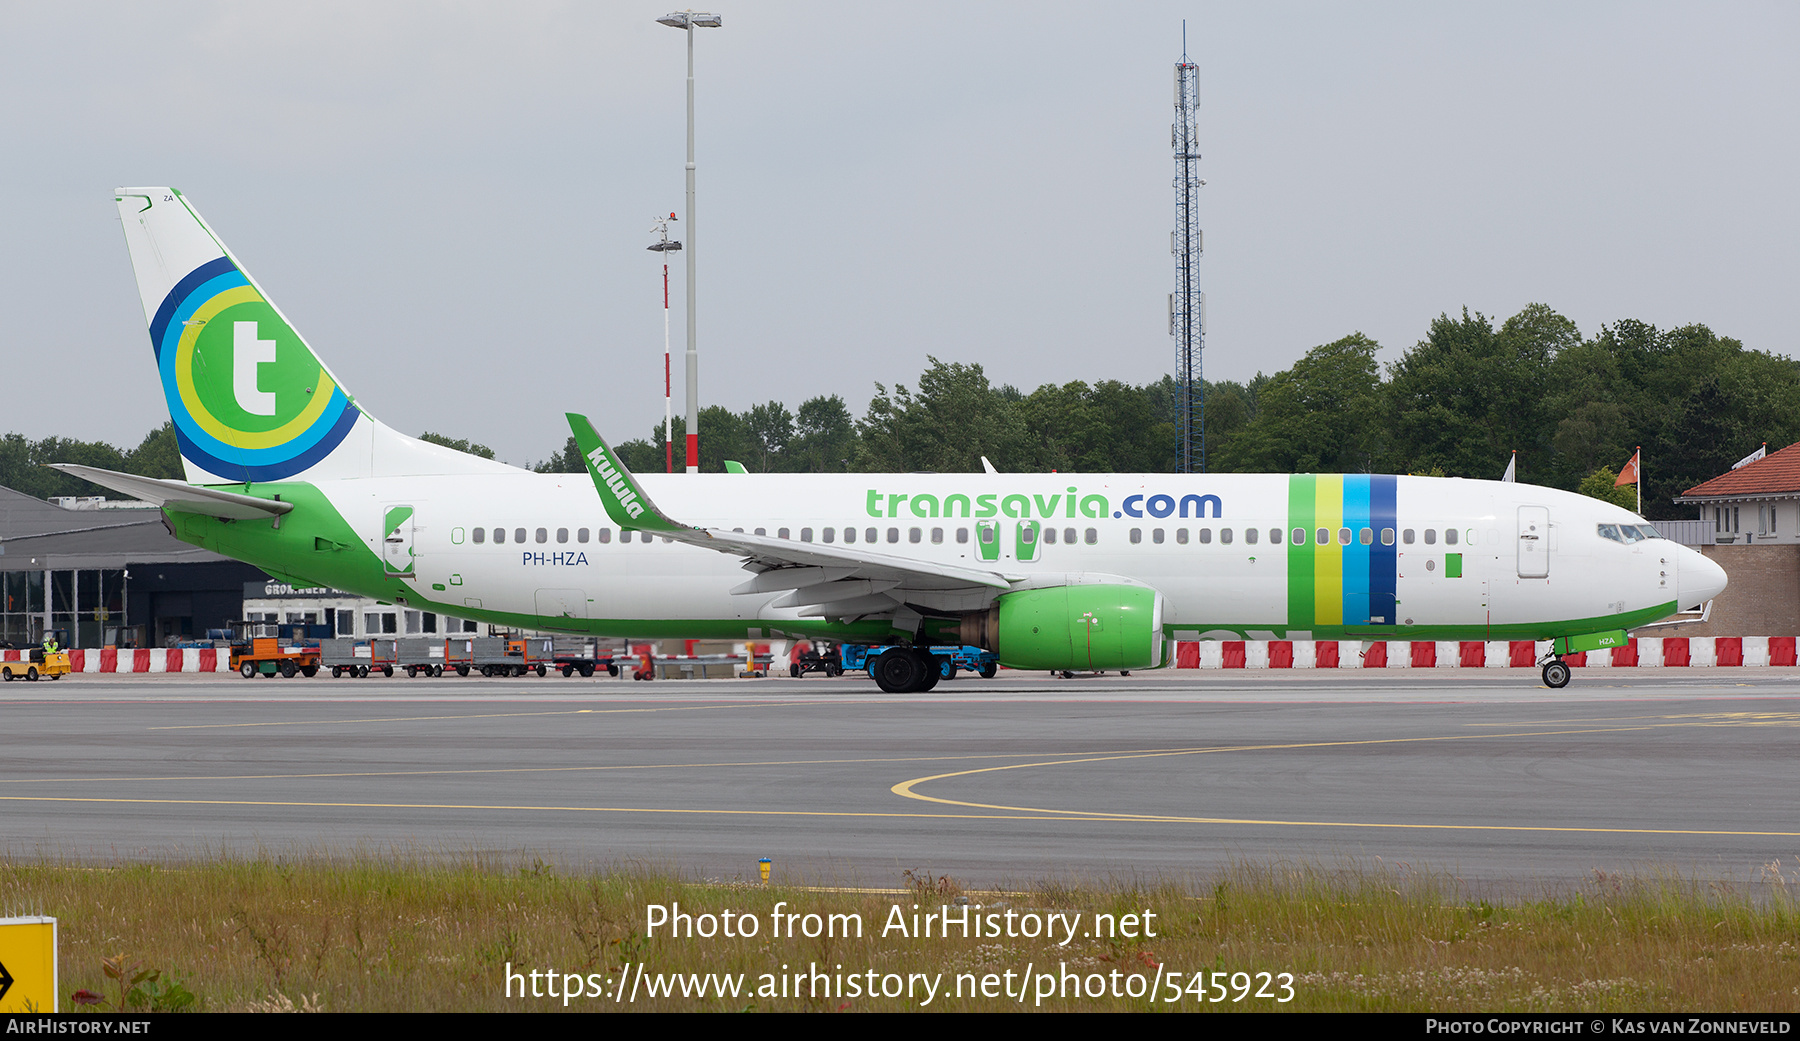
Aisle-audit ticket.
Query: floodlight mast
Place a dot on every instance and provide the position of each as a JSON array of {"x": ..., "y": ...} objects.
[
  {"x": 1187, "y": 305},
  {"x": 688, "y": 21}
]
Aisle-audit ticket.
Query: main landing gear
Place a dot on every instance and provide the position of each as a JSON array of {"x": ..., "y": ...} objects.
[
  {"x": 1556, "y": 674},
  {"x": 907, "y": 670}
]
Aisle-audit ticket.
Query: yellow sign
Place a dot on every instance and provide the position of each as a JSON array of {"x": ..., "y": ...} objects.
[{"x": 27, "y": 965}]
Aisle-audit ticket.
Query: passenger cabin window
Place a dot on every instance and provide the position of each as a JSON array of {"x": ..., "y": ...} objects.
[
  {"x": 562, "y": 535},
  {"x": 1431, "y": 536},
  {"x": 1366, "y": 537},
  {"x": 828, "y": 534},
  {"x": 1322, "y": 536},
  {"x": 962, "y": 535},
  {"x": 893, "y": 534},
  {"x": 849, "y": 535},
  {"x": 604, "y": 534},
  {"x": 1181, "y": 536},
  {"x": 1069, "y": 536},
  {"x": 915, "y": 535},
  {"x": 781, "y": 533},
  {"x": 1206, "y": 536},
  {"x": 805, "y": 534},
  {"x": 1449, "y": 536},
  {"x": 480, "y": 535},
  {"x": 1156, "y": 536},
  {"x": 1050, "y": 536},
  {"x": 1407, "y": 536},
  {"x": 870, "y": 535},
  {"x": 1092, "y": 536},
  {"x": 581, "y": 535},
  {"x": 1387, "y": 536},
  {"x": 1137, "y": 536},
  {"x": 519, "y": 534},
  {"x": 499, "y": 535},
  {"x": 937, "y": 536},
  {"x": 1225, "y": 536},
  {"x": 543, "y": 536}
]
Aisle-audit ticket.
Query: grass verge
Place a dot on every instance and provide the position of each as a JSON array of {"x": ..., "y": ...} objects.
[{"x": 371, "y": 933}]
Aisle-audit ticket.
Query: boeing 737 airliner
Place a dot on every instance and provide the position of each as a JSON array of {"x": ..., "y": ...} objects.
[{"x": 286, "y": 470}]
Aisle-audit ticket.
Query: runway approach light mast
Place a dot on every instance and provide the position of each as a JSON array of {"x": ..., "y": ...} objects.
[
  {"x": 1187, "y": 304},
  {"x": 666, "y": 246}
]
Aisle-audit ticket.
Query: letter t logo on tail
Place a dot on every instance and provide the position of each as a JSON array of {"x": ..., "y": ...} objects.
[{"x": 247, "y": 353}]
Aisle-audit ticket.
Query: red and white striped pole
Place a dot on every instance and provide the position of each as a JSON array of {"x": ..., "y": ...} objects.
[{"x": 665, "y": 246}]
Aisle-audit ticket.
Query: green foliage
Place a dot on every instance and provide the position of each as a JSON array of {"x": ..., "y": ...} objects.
[
  {"x": 460, "y": 445},
  {"x": 1321, "y": 416},
  {"x": 1601, "y": 485},
  {"x": 23, "y": 463}
]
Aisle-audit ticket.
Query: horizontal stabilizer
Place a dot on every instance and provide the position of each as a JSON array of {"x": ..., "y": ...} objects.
[{"x": 179, "y": 495}]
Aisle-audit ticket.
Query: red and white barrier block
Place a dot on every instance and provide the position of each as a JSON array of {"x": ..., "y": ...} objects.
[
  {"x": 142, "y": 659},
  {"x": 1652, "y": 651}
]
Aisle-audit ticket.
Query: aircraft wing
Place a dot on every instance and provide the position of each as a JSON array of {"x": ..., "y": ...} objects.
[
  {"x": 822, "y": 581},
  {"x": 180, "y": 495}
]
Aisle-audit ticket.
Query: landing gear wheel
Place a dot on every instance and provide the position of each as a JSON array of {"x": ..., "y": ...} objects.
[
  {"x": 898, "y": 671},
  {"x": 247, "y": 670},
  {"x": 1556, "y": 675},
  {"x": 930, "y": 671}
]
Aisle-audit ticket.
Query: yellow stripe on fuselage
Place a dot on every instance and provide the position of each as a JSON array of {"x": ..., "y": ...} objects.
[{"x": 1328, "y": 560}]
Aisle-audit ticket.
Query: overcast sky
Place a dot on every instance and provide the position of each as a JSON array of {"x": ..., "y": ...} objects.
[{"x": 451, "y": 201}]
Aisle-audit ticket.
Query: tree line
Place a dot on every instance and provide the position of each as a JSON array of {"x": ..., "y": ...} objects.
[{"x": 1457, "y": 404}]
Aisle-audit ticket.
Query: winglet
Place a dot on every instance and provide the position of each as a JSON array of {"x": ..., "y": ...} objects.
[{"x": 625, "y": 502}]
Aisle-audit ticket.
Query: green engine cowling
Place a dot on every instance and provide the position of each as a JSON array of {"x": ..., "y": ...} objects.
[{"x": 1090, "y": 627}]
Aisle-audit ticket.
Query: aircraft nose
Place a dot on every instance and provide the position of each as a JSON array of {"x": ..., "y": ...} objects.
[{"x": 1697, "y": 578}]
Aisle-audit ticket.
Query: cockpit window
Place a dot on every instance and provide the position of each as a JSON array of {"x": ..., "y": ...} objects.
[{"x": 1629, "y": 532}]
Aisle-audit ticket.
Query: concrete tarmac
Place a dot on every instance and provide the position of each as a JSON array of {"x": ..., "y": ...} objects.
[{"x": 1479, "y": 774}]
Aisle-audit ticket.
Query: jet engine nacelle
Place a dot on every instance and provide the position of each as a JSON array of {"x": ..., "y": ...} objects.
[{"x": 1098, "y": 627}]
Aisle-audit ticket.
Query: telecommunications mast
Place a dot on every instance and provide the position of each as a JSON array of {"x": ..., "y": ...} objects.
[{"x": 1187, "y": 304}]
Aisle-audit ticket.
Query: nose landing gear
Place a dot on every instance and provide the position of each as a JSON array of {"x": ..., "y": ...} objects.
[{"x": 1556, "y": 674}]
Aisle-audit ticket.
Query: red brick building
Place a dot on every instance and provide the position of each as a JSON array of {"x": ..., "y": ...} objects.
[{"x": 1754, "y": 514}]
